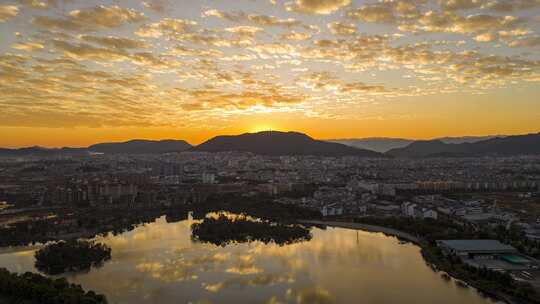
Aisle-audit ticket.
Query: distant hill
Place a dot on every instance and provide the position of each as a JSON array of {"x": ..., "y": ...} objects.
[
  {"x": 467, "y": 139},
  {"x": 294, "y": 143},
  {"x": 129, "y": 147},
  {"x": 40, "y": 151},
  {"x": 504, "y": 146},
  {"x": 374, "y": 143},
  {"x": 383, "y": 144},
  {"x": 139, "y": 146},
  {"x": 280, "y": 143}
]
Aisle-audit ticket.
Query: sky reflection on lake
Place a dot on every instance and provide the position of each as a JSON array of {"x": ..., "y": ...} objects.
[{"x": 159, "y": 263}]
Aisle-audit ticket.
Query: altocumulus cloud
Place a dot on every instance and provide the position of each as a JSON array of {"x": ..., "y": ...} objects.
[
  {"x": 7, "y": 12},
  {"x": 316, "y": 6},
  {"x": 150, "y": 65},
  {"x": 91, "y": 19}
]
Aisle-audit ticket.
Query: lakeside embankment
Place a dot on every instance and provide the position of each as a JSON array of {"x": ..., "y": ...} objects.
[
  {"x": 371, "y": 228},
  {"x": 428, "y": 257}
]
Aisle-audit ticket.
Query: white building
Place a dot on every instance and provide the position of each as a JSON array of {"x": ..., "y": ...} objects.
[
  {"x": 429, "y": 213},
  {"x": 411, "y": 210},
  {"x": 404, "y": 207},
  {"x": 331, "y": 210},
  {"x": 208, "y": 178}
]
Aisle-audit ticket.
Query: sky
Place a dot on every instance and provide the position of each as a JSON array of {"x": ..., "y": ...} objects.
[{"x": 76, "y": 72}]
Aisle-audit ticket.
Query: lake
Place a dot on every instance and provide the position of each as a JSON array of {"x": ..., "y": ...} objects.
[{"x": 159, "y": 263}]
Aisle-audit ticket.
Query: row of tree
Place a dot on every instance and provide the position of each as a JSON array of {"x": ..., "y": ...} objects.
[{"x": 224, "y": 230}]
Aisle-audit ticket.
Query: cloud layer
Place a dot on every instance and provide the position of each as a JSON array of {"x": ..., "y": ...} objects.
[{"x": 74, "y": 63}]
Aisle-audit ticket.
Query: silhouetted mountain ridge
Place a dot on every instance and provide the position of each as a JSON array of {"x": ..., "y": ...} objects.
[
  {"x": 500, "y": 146},
  {"x": 137, "y": 146},
  {"x": 142, "y": 146},
  {"x": 280, "y": 143},
  {"x": 35, "y": 150},
  {"x": 295, "y": 143},
  {"x": 384, "y": 144}
]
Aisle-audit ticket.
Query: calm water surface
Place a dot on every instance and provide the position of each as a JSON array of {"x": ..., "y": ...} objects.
[{"x": 158, "y": 263}]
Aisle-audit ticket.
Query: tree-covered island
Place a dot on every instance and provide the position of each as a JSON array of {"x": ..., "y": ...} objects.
[{"x": 72, "y": 255}]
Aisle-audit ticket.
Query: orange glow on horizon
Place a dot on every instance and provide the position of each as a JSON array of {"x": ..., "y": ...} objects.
[{"x": 316, "y": 128}]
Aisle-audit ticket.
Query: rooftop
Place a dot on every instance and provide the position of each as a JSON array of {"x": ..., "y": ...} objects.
[{"x": 477, "y": 245}]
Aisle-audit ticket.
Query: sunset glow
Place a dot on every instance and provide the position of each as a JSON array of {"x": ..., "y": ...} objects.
[{"x": 77, "y": 72}]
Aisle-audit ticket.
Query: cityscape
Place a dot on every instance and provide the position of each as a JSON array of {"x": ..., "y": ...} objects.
[
  {"x": 269, "y": 151},
  {"x": 490, "y": 201}
]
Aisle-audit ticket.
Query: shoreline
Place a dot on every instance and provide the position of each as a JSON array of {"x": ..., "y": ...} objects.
[
  {"x": 370, "y": 228},
  {"x": 417, "y": 241}
]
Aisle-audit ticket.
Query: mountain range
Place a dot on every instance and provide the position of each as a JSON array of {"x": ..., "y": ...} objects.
[
  {"x": 41, "y": 151},
  {"x": 280, "y": 143},
  {"x": 501, "y": 146},
  {"x": 266, "y": 143},
  {"x": 142, "y": 146},
  {"x": 294, "y": 143},
  {"x": 384, "y": 144},
  {"x": 136, "y": 146}
]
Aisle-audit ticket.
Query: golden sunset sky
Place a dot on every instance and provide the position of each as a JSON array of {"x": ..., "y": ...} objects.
[{"x": 76, "y": 72}]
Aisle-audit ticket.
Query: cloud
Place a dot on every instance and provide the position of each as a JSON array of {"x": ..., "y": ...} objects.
[
  {"x": 7, "y": 12},
  {"x": 482, "y": 22},
  {"x": 525, "y": 42},
  {"x": 388, "y": 12},
  {"x": 360, "y": 87},
  {"x": 42, "y": 4},
  {"x": 115, "y": 42},
  {"x": 167, "y": 26},
  {"x": 342, "y": 29},
  {"x": 171, "y": 271},
  {"x": 266, "y": 50},
  {"x": 314, "y": 296},
  {"x": 255, "y": 62},
  {"x": 511, "y": 5},
  {"x": 159, "y": 6},
  {"x": 322, "y": 7},
  {"x": 34, "y": 4},
  {"x": 85, "y": 51},
  {"x": 486, "y": 37},
  {"x": 258, "y": 19},
  {"x": 424, "y": 16},
  {"x": 325, "y": 81},
  {"x": 28, "y": 46},
  {"x": 244, "y": 31},
  {"x": 180, "y": 50},
  {"x": 107, "y": 17},
  {"x": 435, "y": 22},
  {"x": 217, "y": 39},
  {"x": 274, "y": 300},
  {"x": 296, "y": 36},
  {"x": 455, "y": 5},
  {"x": 215, "y": 99},
  {"x": 261, "y": 279},
  {"x": 479, "y": 25},
  {"x": 233, "y": 17},
  {"x": 266, "y": 20},
  {"x": 91, "y": 19},
  {"x": 153, "y": 61},
  {"x": 373, "y": 13}
]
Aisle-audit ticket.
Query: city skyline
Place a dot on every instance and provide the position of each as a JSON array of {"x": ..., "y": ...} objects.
[{"x": 73, "y": 73}]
